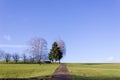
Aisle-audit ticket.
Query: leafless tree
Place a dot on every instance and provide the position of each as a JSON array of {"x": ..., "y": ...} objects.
[
  {"x": 24, "y": 57},
  {"x": 45, "y": 57},
  {"x": 7, "y": 57},
  {"x": 16, "y": 57},
  {"x": 61, "y": 45},
  {"x": 31, "y": 59},
  {"x": 1, "y": 54},
  {"x": 38, "y": 48}
]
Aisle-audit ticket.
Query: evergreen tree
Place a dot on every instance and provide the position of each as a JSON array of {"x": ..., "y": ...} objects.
[
  {"x": 55, "y": 53},
  {"x": 60, "y": 54},
  {"x": 50, "y": 57},
  {"x": 61, "y": 45}
]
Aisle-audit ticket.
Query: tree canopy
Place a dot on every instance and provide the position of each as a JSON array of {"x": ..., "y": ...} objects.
[{"x": 55, "y": 53}]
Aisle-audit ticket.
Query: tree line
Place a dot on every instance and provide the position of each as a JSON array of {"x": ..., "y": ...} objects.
[{"x": 37, "y": 52}]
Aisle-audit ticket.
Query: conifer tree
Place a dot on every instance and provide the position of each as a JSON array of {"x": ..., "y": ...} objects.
[{"x": 55, "y": 53}]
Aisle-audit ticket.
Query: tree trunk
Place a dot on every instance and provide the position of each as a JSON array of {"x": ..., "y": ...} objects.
[
  {"x": 55, "y": 61},
  {"x": 59, "y": 61},
  {"x": 6, "y": 61}
]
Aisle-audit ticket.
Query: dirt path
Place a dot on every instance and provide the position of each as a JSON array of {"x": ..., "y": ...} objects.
[{"x": 61, "y": 73}]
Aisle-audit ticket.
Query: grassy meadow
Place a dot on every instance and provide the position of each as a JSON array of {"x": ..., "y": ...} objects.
[
  {"x": 94, "y": 71},
  {"x": 26, "y": 70}
]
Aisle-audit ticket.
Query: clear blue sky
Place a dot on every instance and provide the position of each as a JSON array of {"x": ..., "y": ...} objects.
[{"x": 90, "y": 28}]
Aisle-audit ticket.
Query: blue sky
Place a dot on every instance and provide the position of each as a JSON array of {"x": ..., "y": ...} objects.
[{"x": 90, "y": 28}]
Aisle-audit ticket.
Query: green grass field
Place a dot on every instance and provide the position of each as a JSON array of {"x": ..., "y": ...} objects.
[
  {"x": 94, "y": 71},
  {"x": 26, "y": 70}
]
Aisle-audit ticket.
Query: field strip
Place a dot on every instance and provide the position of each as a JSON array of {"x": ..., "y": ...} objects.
[{"x": 100, "y": 68}]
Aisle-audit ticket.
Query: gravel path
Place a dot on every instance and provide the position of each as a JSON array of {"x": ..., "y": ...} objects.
[{"x": 61, "y": 73}]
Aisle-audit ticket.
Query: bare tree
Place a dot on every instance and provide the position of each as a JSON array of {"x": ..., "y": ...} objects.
[
  {"x": 7, "y": 57},
  {"x": 38, "y": 48},
  {"x": 15, "y": 57},
  {"x": 31, "y": 59},
  {"x": 24, "y": 57},
  {"x": 45, "y": 57},
  {"x": 1, "y": 54}
]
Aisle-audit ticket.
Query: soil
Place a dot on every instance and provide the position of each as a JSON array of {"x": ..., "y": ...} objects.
[{"x": 61, "y": 73}]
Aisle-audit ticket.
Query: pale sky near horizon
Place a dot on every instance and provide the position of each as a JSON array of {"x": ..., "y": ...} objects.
[{"x": 90, "y": 28}]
